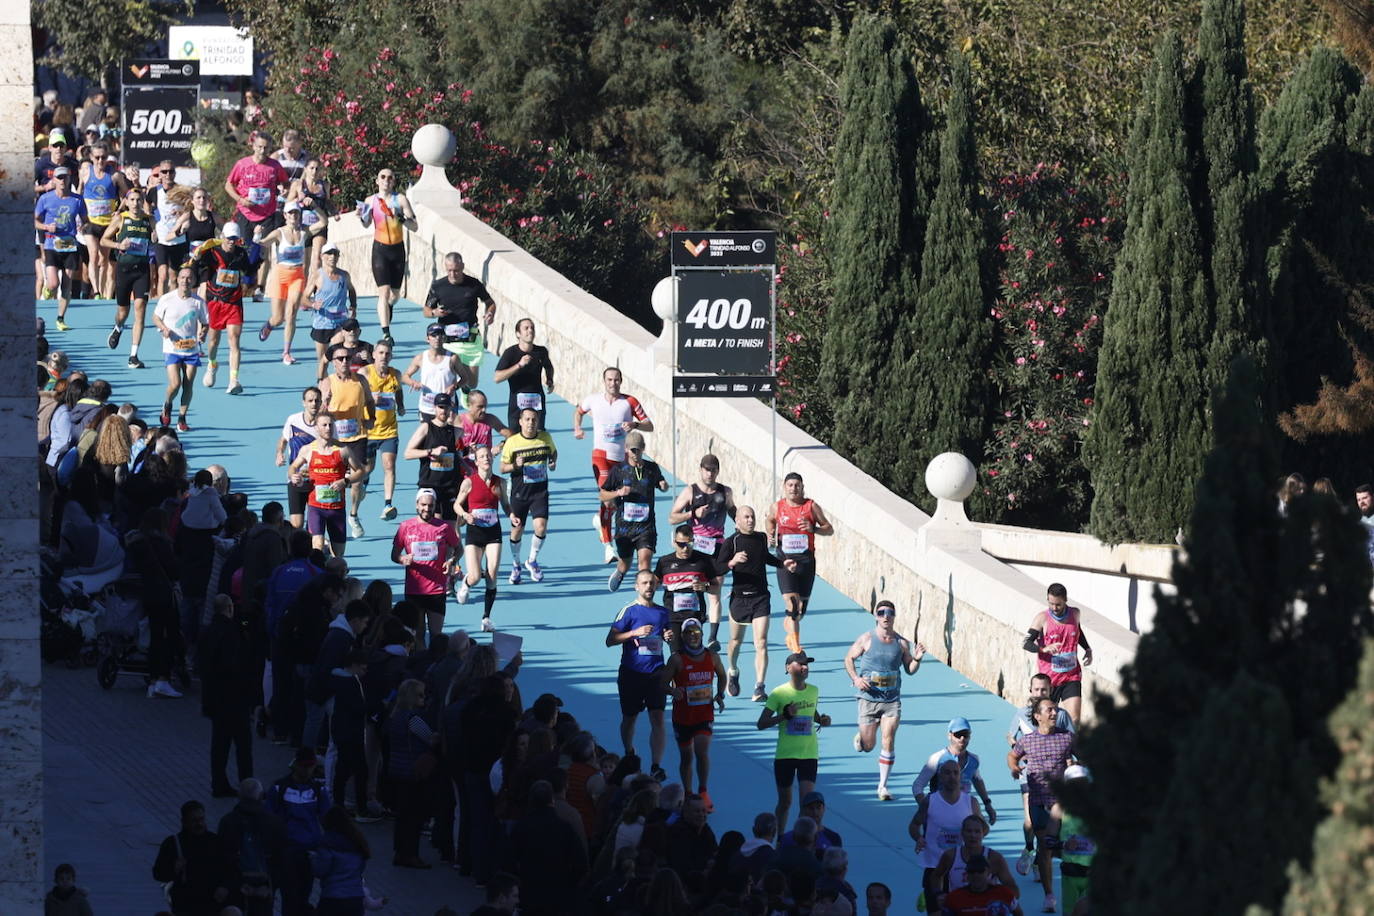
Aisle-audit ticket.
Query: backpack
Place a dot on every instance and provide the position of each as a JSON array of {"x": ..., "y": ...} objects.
[{"x": 252, "y": 856}]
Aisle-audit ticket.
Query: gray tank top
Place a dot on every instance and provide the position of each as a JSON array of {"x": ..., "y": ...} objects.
[{"x": 882, "y": 666}]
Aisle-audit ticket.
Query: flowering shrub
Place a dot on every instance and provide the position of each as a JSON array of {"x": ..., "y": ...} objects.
[
  {"x": 803, "y": 302},
  {"x": 1057, "y": 243}
]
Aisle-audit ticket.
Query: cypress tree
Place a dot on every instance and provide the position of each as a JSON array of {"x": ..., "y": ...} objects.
[
  {"x": 950, "y": 333},
  {"x": 879, "y": 203},
  {"x": 1283, "y": 602},
  {"x": 1149, "y": 431}
]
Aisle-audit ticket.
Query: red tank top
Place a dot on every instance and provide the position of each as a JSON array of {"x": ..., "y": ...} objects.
[
  {"x": 483, "y": 502},
  {"x": 1058, "y": 656},
  {"x": 326, "y": 476},
  {"x": 792, "y": 539},
  {"x": 695, "y": 678}
]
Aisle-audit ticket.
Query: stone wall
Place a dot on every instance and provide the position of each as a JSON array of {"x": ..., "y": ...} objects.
[
  {"x": 969, "y": 608},
  {"x": 22, "y": 872}
]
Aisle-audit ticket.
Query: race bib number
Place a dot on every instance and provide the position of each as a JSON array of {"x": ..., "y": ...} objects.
[
  {"x": 327, "y": 493},
  {"x": 259, "y": 196},
  {"x": 883, "y": 680},
  {"x": 795, "y": 543},
  {"x": 185, "y": 343},
  {"x": 63, "y": 243},
  {"x": 946, "y": 839},
  {"x": 612, "y": 432},
  {"x": 705, "y": 543},
  {"x": 458, "y": 331},
  {"x": 635, "y": 512},
  {"x": 484, "y": 518},
  {"x": 538, "y": 472},
  {"x": 99, "y": 208},
  {"x": 1078, "y": 845},
  {"x": 443, "y": 463},
  {"x": 427, "y": 402},
  {"x": 529, "y": 400},
  {"x": 1064, "y": 662},
  {"x": 346, "y": 429},
  {"x": 227, "y": 279},
  {"x": 137, "y": 247},
  {"x": 424, "y": 551},
  {"x": 699, "y": 695},
  {"x": 385, "y": 401},
  {"x": 649, "y": 645},
  {"x": 685, "y": 601},
  {"x": 799, "y": 725}
]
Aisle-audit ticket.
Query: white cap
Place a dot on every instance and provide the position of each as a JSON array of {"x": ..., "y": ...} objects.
[
  {"x": 291, "y": 206},
  {"x": 231, "y": 231},
  {"x": 329, "y": 248}
]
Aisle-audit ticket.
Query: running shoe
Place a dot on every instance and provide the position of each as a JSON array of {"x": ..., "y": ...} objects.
[
  {"x": 1023, "y": 864},
  {"x": 166, "y": 416},
  {"x": 355, "y": 527},
  {"x": 760, "y": 693},
  {"x": 288, "y": 360},
  {"x": 596, "y": 524},
  {"x": 487, "y": 626},
  {"x": 613, "y": 581},
  {"x": 386, "y": 335},
  {"x": 732, "y": 682},
  {"x": 257, "y": 295},
  {"x": 164, "y": 689},
  {"x": 714, "y": 645},
  {"x": 62, "y": 324},
  {"x": 657, "y": 773},
  {"x": 883, "y": 794},
  {"x": 858, "y": 743},
  {"x": 234, "y": 387},
  {"x": 265, "y": 331},
  {"x": 113, "y": 340},
  {"x": 47, "y": 293},
  {"x": 135, "y": 362},
  {"x": 609, "y": 554},
  {"x": 706, "y": 799},
  {"x": 209, "y": 378},
  {"x": 462, "y": 594},
  {"x": 535, "y": 570},
  {"x": 388, "y": 512},
  {"x": 183, "y": 426},
  {"x": 515, "y": 574},
  {"x": 1051, "y": 904}
]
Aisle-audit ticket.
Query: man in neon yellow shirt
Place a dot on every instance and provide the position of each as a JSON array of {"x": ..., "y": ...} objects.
[{"x": 792, "y": 707}]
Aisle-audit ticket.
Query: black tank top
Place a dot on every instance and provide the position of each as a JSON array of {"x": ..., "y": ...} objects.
[
  {"x": 200, "y": 230},
  {"x": 444, "y": 474}
]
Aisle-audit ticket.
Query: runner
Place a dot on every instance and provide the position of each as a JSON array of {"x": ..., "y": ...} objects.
[
  {"x": 523, "y": 366},
  {"x": 102, "y": 188},
  {"x": 428, "y": 548},
  {"x": 333, "y": 299},
  {"x": 168, "y": 201},
  {"x": 287, "y": 279},
  {"x": 745, "y": 554},
  {"x": 960, "y": 735},
  {"x": 327, "y": 467},
  {"x": 793, "y": 524},
  {"x": 452, "y": 302},
  {"x": 197, "y": 222},
  {"x": 640, "y": 629},
  {"x": 687, "y": 678},
  {"x": 292, "y": 155},
  {"x": 706, "y": 505},
  {"x": 297, "y": 432},
  {"x": 1023, "y": 724},
  {"x": 349, "y": 336},
  {"x": 253, "y": 184},
  {"x": 481, "y": 502},
  {"x": 130, "y": 234},
  {"x": 937, "y": 826},
  {"x": 1042, "y": 757},
  {"x": 389, "y": 214},
  {"x": 349, "y": 399},
  {"x": 794, "y": 709},
  {"x": 614, "y": 415},
  {"x": 951, "y": 873},
  {"x": 1054, "y": 636},
  {"x": 435, "y": 445},
  {"x": 979, "y": 897},
  {"x": 59, "y": 215},
  {"x": 476, "y": 426},
  {"x": 181, "y": 318},
  {"x": 384, "y": 437},
  {"x": 224, "y": 268},
  {"x": 312, "y": 191},
  {"x": 528, "y": 456},
  {"x": 875, "y": 664},
  {"x": 440, "y": 372},
  {"x": 1077, "y": 850},
  {"x": 628, "y": 489},
  {"x": 686, "y": 573}
]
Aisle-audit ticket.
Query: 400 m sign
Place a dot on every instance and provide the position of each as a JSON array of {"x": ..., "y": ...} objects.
[{"x": 724, "y": 323}]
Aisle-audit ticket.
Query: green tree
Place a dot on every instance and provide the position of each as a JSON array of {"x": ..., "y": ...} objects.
[
  {"x": 949, "y": 335},
  {"x": 1149, "y": 431},
  {"x": 879, "y": 204},
  {"x": 1283, "y": 602},
  {"x": 92, "y": 43},
  {"x": 1342, "y": 870}
]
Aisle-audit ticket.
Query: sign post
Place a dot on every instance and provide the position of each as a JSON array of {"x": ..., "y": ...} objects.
[
  {"x": 724, "y": 340},
  {"x": 158, "y": 101}
]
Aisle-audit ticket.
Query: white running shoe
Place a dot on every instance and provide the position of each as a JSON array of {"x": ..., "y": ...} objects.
[
  {"x": 596, "y": 524},
  {"x": 234, "y": 386},
  {"x": 610, "y": 553},
  {"x": 210, "y": 375},
  {"x": 514, "y": 574},
  {"x": 487, "y": 626},
  {"x": 535, "y": 570},
  {"x": 883, "y": 794},
  {"x": 613, "y": 581},
  {"x": 1051, "y": 904},
  {"x": 164, "y": 689},
  {"x": 1023, "y": 864},
  {"x": 463, "y": 590},
  {"x": 858, "y": 743},
  {"x": 355, "y": 527}
]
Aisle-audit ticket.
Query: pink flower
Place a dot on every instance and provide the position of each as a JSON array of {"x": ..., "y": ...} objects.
[
  {"x": 993, "y": 473},
  {"x": 1028, "y": 456},
  {"x": 1020, "y": 361},
  {"x": 1029, "y": 254}
]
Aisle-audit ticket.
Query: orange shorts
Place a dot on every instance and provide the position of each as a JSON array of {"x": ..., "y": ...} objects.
[{"x": 285, "y": 280}]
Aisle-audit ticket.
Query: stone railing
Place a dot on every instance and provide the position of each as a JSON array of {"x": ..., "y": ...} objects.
[{"x": 969, "y": 608}]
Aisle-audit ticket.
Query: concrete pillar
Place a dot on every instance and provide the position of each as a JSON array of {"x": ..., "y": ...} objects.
[{"x": 22, "y": 878}]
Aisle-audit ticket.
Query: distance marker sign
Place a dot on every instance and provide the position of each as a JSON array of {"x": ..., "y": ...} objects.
[
  {"x": 158, "y": 124},
  {"x": 724, "y": 323}
]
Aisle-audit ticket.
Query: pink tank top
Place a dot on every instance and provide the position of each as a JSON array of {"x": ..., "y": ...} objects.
[{"x": 1058, "y": 656}]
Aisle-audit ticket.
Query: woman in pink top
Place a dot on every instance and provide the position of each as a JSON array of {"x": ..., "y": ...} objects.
[{"x": 428, "y": 547}]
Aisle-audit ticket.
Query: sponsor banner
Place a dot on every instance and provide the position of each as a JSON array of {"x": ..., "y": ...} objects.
[
  {"x": 724, "y": 249},
  {"x": 221, "y": 50},
  {"x": 142, "y": 71},
  {"x": 738, "y": 386}
]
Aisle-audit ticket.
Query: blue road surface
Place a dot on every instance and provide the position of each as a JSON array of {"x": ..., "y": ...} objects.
[{"x": 563, "y": 620}]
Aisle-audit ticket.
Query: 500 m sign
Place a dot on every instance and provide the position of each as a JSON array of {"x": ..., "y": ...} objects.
[
  {"x": 724, "y": 323},
  {"x": 158, "y": 125}
]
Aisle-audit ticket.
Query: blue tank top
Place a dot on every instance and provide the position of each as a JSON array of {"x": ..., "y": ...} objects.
[
  {"x": 101, "y": 198},
  {"x": 291, "y": 254},
  {"x": 333, "y": 298},
  {"x": 882, "y": 665}
]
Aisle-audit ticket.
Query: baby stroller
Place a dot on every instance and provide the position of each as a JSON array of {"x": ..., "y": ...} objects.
[{"x": 67, "y": 622}]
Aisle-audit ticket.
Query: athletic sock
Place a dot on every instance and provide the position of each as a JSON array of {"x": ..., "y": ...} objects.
[
  {"x": 1030, "y": 838},
  {"x": 515, "y": 552},
  {"x": 119, "y": 326},
  {"x": 488, "y": 600},
  {"x": 536, "y": 542},
  {"x": 133, "y": 349},
  {"x": 885, "y": 761},
  {"x": 715, "y": 631},
  {"x": 167, "y": 407}
]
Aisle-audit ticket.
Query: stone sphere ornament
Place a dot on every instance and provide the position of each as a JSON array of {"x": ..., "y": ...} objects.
[
  {"x": 433, "y": 144},
  {"x": 951, "y": 476},
  {"x": 664, "y": 299}
]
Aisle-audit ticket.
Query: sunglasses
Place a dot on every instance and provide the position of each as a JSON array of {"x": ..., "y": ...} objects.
[
  {"x": 885, "y": 612},
  {"x": 961, "y": 734},
  {"x": 340, "y": 359},
  {"x": 635, "y": 450},
  {"x": 683, "y": 543}
]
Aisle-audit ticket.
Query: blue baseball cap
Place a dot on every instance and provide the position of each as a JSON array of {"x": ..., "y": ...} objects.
[{"x": 959, "y": 724}]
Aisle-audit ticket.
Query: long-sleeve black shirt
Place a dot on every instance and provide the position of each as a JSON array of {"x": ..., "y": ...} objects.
[{"x": 751, "y": 576}]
